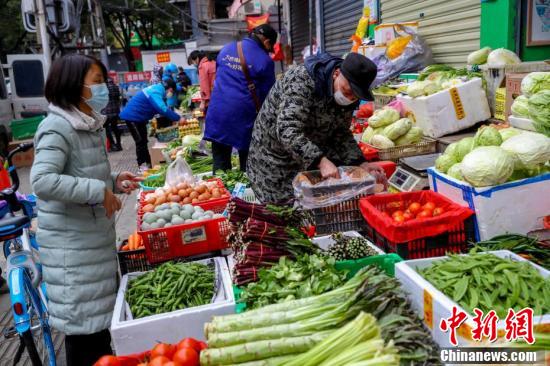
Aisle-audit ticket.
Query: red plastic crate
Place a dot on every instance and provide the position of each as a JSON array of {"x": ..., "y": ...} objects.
[
  {"x": 370, "y": 153},
  {"x": 435, "y": 236}
]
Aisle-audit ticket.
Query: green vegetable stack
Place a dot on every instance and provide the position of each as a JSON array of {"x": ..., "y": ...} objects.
[
  {"x": 489, "y": 283},
  {"x": 288, "y": 280},
  {"x": 347, "y": 247},
  {"x": 230, "y": 178},
  {"x": 171, "y": 287},
  {"x": 528, "y": 247},
  {"x": 387, "y": 130}
]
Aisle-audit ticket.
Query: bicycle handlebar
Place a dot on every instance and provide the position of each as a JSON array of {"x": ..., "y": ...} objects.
[{"x": 9, "y": 194}]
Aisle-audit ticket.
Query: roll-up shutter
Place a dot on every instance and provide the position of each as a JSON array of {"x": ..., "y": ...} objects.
[
  {"x": 340, "y": 19},
  {"x": 451, "y": 28},
  {"x": 299, "y": 27}
]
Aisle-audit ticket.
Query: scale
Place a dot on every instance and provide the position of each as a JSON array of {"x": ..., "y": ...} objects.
[{"x": 412, "y": 173}]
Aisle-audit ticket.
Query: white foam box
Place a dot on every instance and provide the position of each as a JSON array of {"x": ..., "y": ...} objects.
[
  {"x": 137, "y": 335},
  {"x": 451, "y": 110},
  {"x": 515, "y": 207},
  {"x": 324, "y": 242},
  {"x": 521, "y": 123},
  {"x": 433, "y": 305}
]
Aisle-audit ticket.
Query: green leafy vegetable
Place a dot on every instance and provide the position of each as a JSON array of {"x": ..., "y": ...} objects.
[{"x": 487, "y": 166}]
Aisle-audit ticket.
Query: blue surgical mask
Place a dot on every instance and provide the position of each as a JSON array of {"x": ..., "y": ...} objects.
[{"x": 100, "y": 97}]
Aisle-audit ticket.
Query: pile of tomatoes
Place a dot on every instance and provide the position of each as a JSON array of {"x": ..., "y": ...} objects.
[
  {"x": 415, "y": 211},
  {"x": 185, "y": 353}
]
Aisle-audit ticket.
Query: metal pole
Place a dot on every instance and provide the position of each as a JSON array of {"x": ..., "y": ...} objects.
[
  {"x": 102, "y": 36},
  {"x": 279, "y": 15},
  {"x": 310, "y": 13},
  {"x": 44, "y": 37},
  {"x": 195, "y": 15}
]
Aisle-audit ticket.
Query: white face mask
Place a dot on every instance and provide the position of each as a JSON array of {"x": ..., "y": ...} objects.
[{"x": 341, "y": 99}]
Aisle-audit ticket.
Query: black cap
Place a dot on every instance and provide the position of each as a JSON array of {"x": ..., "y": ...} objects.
[
  {"x": 360, "y": 72},
  {"x": 267, "y": 31}
]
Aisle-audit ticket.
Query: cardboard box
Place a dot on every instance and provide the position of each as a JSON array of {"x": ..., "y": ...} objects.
[
  {"x": 451, "y": 110},
  {"x": 513, "y": 89},
  {"x": 155, "y": 152},
  {"x": 497, "y": 208},
  {"x": 137, "y": 335},
  {"x": 433, "y": 305},
  {"x": 22, "y": 159},
  {"x": 387, "y": 32}
]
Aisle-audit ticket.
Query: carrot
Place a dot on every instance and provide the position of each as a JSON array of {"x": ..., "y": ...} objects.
[{"x": 125, "y": 247}]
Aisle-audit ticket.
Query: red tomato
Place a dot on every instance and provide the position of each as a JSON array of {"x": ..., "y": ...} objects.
[
  {"x": 399, "y": 218},
  {"x": 438, "y": 211},
  {"x": 429, "y": 206},
  {"x": 203, "y": 345},
  {"x": 186, "y": 357},
  {"x": 408, "y": 215},
  {"x": 189, "y": 343},
  {"x": 424, "y": 214},
  {"x": 159, "y": 361},
  {"x": 171, "y": 363},
  {"x": 107, "y": 361},
  {"x": 163, "y": 349},
  {"x": 415, "y": 208},
  {"x": 397, "y": 213}
]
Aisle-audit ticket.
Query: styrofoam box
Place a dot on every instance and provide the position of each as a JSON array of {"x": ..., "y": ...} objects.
[
  {"x": 436, "y": 113},
  {"x": 325, "y": 241},
  {"x": 137, "y": 335},
  {"x": 432, "y": 305},
  {"x": 515, "y": 207},
  {"x": 521, "y": 123}
]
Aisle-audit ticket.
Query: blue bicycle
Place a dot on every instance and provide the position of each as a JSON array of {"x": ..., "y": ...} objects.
[{"x": 27, "y": 291}]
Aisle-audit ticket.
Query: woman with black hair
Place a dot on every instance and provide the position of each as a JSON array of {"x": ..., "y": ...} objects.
[
  {"x": 207, "y": 74},
  {"x": 72, "y": 178}
]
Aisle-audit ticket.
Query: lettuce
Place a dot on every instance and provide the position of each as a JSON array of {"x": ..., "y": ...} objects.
[
  {"x": 487, "y": 166},
  {"x": 456, "y": 171},
  {"x": 535, "y": 82},
  {"x": 479, "y": 57},
  {"x": 414, "y": 136},
  {"x": 381, "y": 142},
  {"x": 487, "y": 136},
  {"x": 539, "y": 111},
  {"x": 529, "y": 149},
  {"x": 398, "y": 129},
  {"x": 444, "y": 162},
  {"x": 506, "y": 133},
  {"x": 502, "y": 57},
  {"x": 383, "y": 117},
  {"x": 464, "y": 147},
  {"x": 520, "y": 107}
]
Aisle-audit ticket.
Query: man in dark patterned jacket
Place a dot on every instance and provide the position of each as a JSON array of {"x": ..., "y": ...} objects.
[{"x": 304, "y": 124}]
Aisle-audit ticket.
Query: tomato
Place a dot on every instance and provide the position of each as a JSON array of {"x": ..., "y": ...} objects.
[
  {"x": 438, "y": 211},
  {"x": 186, "y": 357},
  {"x": 429, "y": 206},
  {"x": 408, "y": 215},
  {"x": 203, "y": 345},
  {"x": 189, "y": 343},
  {"x": 415, "y": 208},
  {"x": 107, "y": 361},
  {"x": 163, "y": 349},
  {"x": 424, "y": 214},
  {"x": 397, "y": 213},
  {"x": 399, "y": 218},
  {"x": 159, "y": 361}
]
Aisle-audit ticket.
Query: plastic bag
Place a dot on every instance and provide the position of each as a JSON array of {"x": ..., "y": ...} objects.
[
  {"x": 416, "y": 55},
  {"x": 179, "y": 172},
  {"x": 312, "y": 191}
]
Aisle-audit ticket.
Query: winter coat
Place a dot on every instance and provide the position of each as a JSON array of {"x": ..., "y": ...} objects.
[
  {"x": 77, "y": 241},
  {"x": 295, "y": 128},
  {"x": 231, "y": 111},
  {"x": 146, "y": 104},
  {"x": 207, "y": 75}
]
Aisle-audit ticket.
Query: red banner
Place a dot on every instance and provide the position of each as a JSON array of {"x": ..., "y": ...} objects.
[{"x": 141, "y": 76}]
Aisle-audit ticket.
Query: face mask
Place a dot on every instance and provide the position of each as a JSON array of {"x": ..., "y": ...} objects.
[
  {"x": 100, "y": 97},
  {"x": 341, "y": 99}
]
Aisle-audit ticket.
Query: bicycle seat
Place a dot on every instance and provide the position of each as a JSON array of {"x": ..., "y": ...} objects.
[{"x": 10, "y": 223}]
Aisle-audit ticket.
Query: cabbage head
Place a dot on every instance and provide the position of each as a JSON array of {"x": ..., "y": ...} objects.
[
  {"x": 479, "y": 57},
  {"x": 529, "y": 149},
  {"x": 487, "y": 166},
  {"x": 383, "y": 117},
  {"x": 451, "y": 150},
  {"x": 398, "y": 129},
  {"x": 367, "y": 134},
  {"x": 487, "y": 136},
  {"x": 456, "y": 171},
  {"x": 381, "y": 142},
  {"x": 520, "y": 107},
  {"x": 444, "y": 162},
  {"x": 464, "y": 147},
  {"x": 506, "y": 133},
  {"x": 502, "y": 57},
  {"x": 414, "y": 136},
  {"x": 539, "y": 111},
  {"x": 535, "y": 82},
  {"x": 421, "y": 88}
]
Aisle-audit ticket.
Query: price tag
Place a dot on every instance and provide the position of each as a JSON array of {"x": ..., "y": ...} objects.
[
  {"x": 193, "y": 235},
  {"x": 457, "y": 103},
  {"x": 428, "y": 310}
]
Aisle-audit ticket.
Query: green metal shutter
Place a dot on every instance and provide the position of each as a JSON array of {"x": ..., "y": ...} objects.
[
  {"x": 340, "y": 19},
  {"x": 299, "y": 27},
  {"x": 450, "y": 27}
]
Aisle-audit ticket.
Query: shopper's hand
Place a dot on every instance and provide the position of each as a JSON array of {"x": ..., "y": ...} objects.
[
  {"x": 182, "y": 121},
  {"x": 328, "y": 169},
  {"x": 203, "y": 105},
  {"x": 127, "y": 182},
  {"x": 377, "y": 172},
  {"x": 111, "y": 203}
]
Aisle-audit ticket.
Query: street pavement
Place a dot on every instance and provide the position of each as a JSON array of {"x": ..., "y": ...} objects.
[{"x": 125, "y": 225}]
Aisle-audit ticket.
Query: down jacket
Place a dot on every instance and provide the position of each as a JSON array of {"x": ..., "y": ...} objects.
[{"x": 76, "y": 239}]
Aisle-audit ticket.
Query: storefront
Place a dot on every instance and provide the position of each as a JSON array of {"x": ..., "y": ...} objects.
[{"x": 338, "y": 21}]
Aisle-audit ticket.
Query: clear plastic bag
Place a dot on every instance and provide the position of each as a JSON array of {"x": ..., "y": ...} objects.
[
  {"x": 179, "y": 172},
  {"x": 312, "y": 191}
]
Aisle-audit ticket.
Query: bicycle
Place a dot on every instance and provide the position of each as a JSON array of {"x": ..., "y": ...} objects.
[{"x": 27, "y": 291}]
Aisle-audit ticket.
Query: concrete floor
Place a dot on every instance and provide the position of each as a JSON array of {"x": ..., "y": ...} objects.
[{"x": 125, "y": 225}]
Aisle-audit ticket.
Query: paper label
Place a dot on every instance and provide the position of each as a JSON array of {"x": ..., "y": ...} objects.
[
  {"x": 193, "y": 235},
  {"x": 428, "y": 310},
  {"x": 457, "y": 103}
]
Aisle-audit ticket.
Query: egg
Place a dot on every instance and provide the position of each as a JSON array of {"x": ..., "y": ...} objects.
[
  {"x": 182, "y": 193},
  {"x": 149, "y": 208},
  {"x": 187, "y": 200},
  {"x": 193, "y": 195},
  {"x": 175, "y": 198},
  {"x": 201, "y": 189},
  {"x": 150, "y": 199},
  {"x": 160, "y": 200},
  {"x": 181, "y": 186},
  {"x": 195, "y": 200}
]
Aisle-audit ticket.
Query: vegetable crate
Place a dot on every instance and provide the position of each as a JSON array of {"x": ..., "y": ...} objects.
[
  {"x": 132, "y": 261},
  {"x": 433, "y": 305},
  {"x": 418, "y": 238},
  {"x": 25, "y": 128},
  {"x": 150, "y": 178},
  {"x": 344, "y": 216},
  {"x": 167, "y": 134},
  {"x": 426, "y": 146}
]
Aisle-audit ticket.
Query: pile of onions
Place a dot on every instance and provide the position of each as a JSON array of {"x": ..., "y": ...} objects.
[{"x": 184, "y": 193}]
